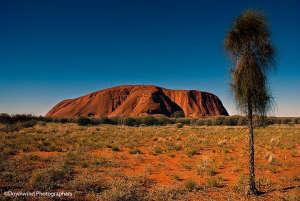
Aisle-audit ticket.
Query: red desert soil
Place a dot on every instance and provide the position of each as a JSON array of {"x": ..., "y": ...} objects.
[
  {"x": 170, "y": 171},
  {"x": 163, "y": 168},
  {"x": 215, "y": 158},
  {"x": 139, "y": 100}
]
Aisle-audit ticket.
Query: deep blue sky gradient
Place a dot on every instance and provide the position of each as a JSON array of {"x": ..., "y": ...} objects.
[{"x": 58, "y": 49}]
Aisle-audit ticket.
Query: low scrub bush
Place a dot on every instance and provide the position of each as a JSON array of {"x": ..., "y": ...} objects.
[
  {"x": 135, "y": 151},
  {"x": 190, "y": 151},
  {"x": 18, "y": 126},
  {"x": 178, "y": 114},
  {"x": 150, "y": 120},
  {"x": 179, "y": 125},
  {"x": 162, "y": 193},
  {"x": 264, "y": 184},
  {"x": 50, "y": 178},
  {"x": 216, "y": 181},
  {"x": 88, "y": 183},
  {"x": 115, "y": 148},
  {"x": 206, "y": 167},
  {"x": 125, "y": 189},
  {"x": 157, "y": 150},
  {"x": 84, "y": 121},
  {"x": 241, "y": 186},
  {"x": 190, "y": 185}
]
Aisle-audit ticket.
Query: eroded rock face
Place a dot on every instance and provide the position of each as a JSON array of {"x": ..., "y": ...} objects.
[{"x": 140, "y": 100}]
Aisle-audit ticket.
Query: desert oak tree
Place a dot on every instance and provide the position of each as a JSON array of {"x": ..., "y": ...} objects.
[{"x": 249, "y": 45}]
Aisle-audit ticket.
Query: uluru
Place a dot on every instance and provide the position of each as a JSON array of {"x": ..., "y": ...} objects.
[{"x": 140, "y": 100}]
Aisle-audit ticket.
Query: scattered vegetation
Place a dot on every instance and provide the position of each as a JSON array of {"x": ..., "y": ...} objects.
[
  {"x": 190, "y": 151},
  {"x": 190, "y": 185},
  {"x": 50, "y": 178},
  {"x": 135, "y": 151},
  {"x": 115, "y": 148},
  {"x": 216, "y": 181},
  {"x": 88, "y": 184},
  {"x": 66, "y": 156},
  {"x": 163, "y": 193},
  {"x": 264, "y": 184},
  {"x": 19, "y": 121},
  {"x": 157, "y": 150},
  {"x": 206, "y": 167},
  {"x": 125, "y": 189},
  {"x": 241, "y": 186}
]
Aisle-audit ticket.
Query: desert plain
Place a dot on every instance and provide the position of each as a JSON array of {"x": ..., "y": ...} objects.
[{"x": 171, "y": 162}]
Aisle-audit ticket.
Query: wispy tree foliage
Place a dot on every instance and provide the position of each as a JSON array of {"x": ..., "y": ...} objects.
[{"x": 250, "y": 47}]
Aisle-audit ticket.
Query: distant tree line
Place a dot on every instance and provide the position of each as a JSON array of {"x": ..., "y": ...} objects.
[{"x": 25, "y": 120}]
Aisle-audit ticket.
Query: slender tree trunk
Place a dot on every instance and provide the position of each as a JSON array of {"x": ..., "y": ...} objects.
[{"x": 252, "y": 186}]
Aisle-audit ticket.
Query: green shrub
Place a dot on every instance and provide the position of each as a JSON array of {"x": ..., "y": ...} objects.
[
  {"x": 184, "y": 121},
  {"x": 219, "y": 121},
  {"x": 286, "y": 120},
  {"x": 179, "y": 125},
  {"x": 5, "y": 118},
  {"x": 190, "y": 151},
  {"x": 178, "y": 114},
  {"x": 149, "y": 121},
  {"x": 162, "y": 193},
  {"x": 32, "y": 157},
  {"x": 202, "y": 167},
  {"x": 206, "y": 167},
  {"x": 176, "y": 117},
  {"x": 135, "y": 151},
  {"x": 215, "y": 182},
  {"x": 212, "y": 171},
  {"x": 190, "y": 185},
  {"x": 129, "y": 121},
  {"x": 177, "y": 147},
  {"x": 88, "y": 183},
  {"x": 175, "y": 177},
  {"x": 208, "y": 122},
  {"x": 28, "y": 124},
  {"x": 84, "y": 121},
  {"x": 264, "y": 184},
  {"x": 157, "y": 150},
  {"x": 106, "y": 120},
  {"x": 63, "y": 120},
  {"x": 115, "y": 148},
  {"x": 241, "y": 186},
  {"x": 18, "y": 126},
  {"x": 231, "y": 121},
  {"x": 242, "y": 121},
  {"x": 50, "y": 178},
  {"x": 125, "y": 189}
]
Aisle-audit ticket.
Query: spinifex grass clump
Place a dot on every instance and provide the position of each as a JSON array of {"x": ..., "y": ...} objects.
[{"x": 50, "y": 178}]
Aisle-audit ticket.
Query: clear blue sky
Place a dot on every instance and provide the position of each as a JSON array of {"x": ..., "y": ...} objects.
[{"x": 58, "y": 49}]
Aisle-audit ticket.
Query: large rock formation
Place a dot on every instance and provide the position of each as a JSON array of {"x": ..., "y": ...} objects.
[{"x": 140, "y": 100}]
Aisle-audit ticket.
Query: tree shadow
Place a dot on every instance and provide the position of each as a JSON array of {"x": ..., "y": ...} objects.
[{"x": 277, "y": 189}]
